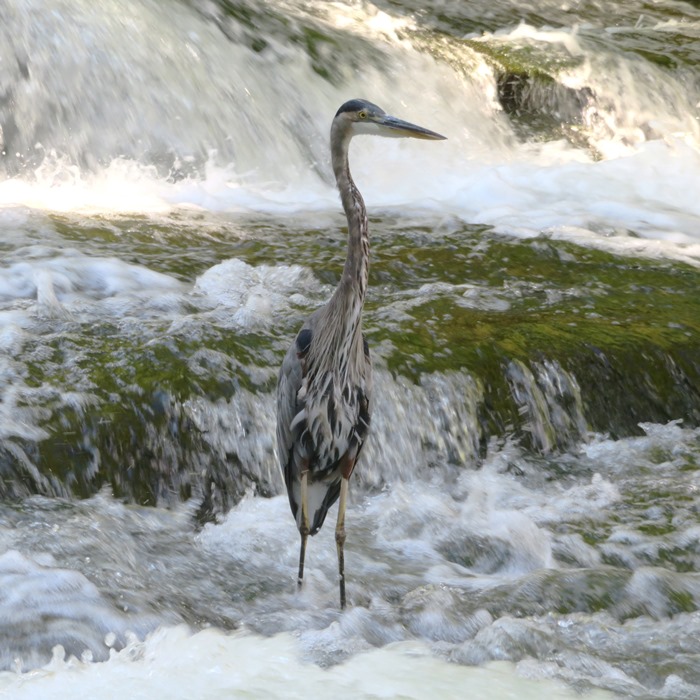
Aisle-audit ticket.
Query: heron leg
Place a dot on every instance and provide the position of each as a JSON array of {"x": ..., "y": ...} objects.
[
  {"x": 340, "y": 538},
  {"x": 304, "y": 530}
]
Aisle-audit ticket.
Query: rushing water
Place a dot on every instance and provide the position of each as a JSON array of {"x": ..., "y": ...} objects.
[{"x": 524, "y": 521}]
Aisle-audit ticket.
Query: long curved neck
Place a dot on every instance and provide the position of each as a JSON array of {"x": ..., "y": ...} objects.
[
  {"x": 339, "y": 334},
  {"x": 356, "y": 270}
]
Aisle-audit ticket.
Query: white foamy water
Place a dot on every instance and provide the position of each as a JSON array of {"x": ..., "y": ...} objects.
[
  {"x": 434, "y": 571},
  {"x": 68, "y": 277},
  {"x": 176, "y": 663},
  {"x": 67, "y": 284},
  {"x": 249, "y": 297},
  {"x": 43, "y": 605},
  {"x": 638, "y": 199},
  {"x": 150, "y": 160},
  {"x": 640, "y": 203}
]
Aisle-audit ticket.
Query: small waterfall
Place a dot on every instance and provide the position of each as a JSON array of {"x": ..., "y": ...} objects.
[
  {"x": 549, "y": 400},
  {"x": 83, "y": 85},
  {"x": 89, "y": 84},
  {"x": 562, "y": 82}
]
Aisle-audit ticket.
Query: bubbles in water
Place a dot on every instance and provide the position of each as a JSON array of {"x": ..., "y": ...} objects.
[
  {"x": 251, "y": 295},
  {"x": 270, "y": 668},
  {"x": 43, "y": 606}
]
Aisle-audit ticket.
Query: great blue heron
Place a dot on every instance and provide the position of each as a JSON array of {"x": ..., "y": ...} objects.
[{"x": 325, "y": 382}]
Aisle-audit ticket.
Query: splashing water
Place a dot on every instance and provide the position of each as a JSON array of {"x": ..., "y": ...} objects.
[{"x": 523, "y": 520}]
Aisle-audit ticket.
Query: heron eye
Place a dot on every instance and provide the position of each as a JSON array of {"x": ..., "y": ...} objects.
[{"x": 362, "y": 114}]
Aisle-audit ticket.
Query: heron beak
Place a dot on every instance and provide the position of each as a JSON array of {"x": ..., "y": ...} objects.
[{"x": 391, "y": 126}]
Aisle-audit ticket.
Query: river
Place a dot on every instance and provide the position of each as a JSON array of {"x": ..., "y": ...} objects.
[{"x": 524, "y": 520}]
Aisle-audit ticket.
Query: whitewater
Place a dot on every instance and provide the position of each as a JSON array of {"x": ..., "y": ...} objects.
[{"x": 524, "y": 521}]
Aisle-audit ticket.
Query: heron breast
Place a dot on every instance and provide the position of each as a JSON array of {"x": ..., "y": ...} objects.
[{"x": 331, "y": 416}]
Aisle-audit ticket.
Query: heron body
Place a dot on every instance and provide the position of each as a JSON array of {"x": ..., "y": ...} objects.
[{"x": 325, "y": 383}]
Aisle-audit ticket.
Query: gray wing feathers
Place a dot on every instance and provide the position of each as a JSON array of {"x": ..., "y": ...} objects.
[
  {"x": 288, "y": 385},
  {"x": 318, "y": 440}
]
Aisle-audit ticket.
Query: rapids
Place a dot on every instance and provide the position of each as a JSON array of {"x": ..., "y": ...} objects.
[{"x": 524, "y": 519}]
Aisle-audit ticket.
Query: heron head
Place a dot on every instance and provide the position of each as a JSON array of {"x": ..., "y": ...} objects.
[{"x": 363, "y": 117}]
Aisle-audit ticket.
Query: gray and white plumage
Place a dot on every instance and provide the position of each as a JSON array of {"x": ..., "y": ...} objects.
[
  {"x": 324, "y": 415},
  {"x": 325, "y": 383}
]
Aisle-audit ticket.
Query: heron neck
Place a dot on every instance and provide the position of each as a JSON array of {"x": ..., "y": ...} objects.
[
  {"x": 356, "y": 270},
  {"x": 339, "y": 335}
]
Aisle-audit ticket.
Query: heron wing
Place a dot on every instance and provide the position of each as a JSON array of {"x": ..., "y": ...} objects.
[
  {"x": 294, "y": 441},
  {"x": 288, "y": 407}
]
